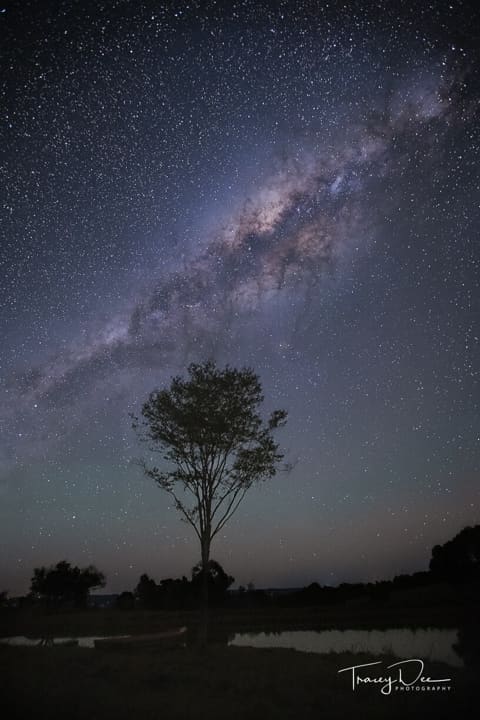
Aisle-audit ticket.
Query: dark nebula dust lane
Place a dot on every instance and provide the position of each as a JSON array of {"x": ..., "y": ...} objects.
[{"x": 285, "y": 185}]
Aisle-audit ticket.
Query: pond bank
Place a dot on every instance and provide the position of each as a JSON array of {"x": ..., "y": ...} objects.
[{"x": 37, "y": 622}]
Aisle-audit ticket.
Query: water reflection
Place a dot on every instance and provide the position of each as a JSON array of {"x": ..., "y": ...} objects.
[
  {"x": 86, "y": 642},
  {"x": 423, "y": 643}
]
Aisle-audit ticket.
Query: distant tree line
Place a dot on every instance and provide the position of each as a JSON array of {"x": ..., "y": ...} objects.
[
  {"x": 454, "y": 564},
  {"x": 182, "y": 593}
]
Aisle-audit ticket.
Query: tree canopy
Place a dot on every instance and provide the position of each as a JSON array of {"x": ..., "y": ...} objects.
[
  {"x": 218, "y": 580},
  {"x": 459, "y": 558},
  {"x": 175, "y": 593},
  {"x": 213, "y": 440},
  {"x": 63, "y": 584}
]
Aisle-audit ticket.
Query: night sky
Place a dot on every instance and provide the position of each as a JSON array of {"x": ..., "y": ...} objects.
[{"x": 292, "y": 186}]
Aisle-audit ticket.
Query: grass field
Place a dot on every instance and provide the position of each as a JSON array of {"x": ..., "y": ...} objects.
[{"x": 220, "y": 682}]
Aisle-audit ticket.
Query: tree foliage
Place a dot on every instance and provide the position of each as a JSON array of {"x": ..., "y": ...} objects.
[
  {"x": 180, "y": 593},
  {"x": 218, "y": 581},
  {"x": 459, "y": 558},
  {"x": 63, "y": 584},
  {"x": 213, "y": 443},
  {"x": 146, "y": 591}
]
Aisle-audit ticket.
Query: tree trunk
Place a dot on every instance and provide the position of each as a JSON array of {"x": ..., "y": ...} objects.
[{"x": 203, "y": 633}]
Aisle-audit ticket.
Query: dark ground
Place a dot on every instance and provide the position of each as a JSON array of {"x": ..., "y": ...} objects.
[{"x": 219, "y": 682}]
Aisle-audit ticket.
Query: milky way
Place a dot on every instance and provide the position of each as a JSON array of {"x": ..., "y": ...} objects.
[
  {"x": 279, "y": 185},
  {"x": 305, "y": 217}
]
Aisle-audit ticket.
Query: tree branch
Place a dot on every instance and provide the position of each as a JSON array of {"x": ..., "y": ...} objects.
[{"x": 230, "y": 510}]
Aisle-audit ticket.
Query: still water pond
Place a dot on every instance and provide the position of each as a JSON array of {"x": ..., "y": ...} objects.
[{"x": 424, "y": 643}]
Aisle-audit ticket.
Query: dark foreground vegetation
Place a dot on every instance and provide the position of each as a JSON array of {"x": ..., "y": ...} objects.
[{"x": 219, "y": 682}]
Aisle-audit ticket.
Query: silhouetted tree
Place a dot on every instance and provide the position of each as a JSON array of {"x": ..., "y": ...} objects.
[
  {"x": 175, "y": 593},
  {"x": 459, "y": 558},
  {"x": 213, "y": 443},
  {"x": 146, "y": 591},
  {"x": 64, "y": 584},
  {"x": 218, "y": 581},
  {"x": 126, "y": 600}
]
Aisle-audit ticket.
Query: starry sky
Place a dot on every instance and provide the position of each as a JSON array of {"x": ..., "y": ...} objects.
[{"x": 292, "y": 186}]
